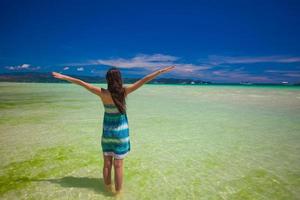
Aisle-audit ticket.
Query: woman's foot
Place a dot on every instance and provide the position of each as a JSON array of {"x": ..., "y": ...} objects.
[
  {"x": 118, "y": 193},
  {"x": 109, "y": 187}
]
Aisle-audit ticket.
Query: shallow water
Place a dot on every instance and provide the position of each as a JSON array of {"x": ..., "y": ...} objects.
[{"x": 188, "y": 142}]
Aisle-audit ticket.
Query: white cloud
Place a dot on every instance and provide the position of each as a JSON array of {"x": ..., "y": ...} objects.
[
  {"x": 151, "y": 63},
  {"x": 204, "y": 69},
  {"x": 288, "y": 73},
  {"x": 160, "y": 60},
  {"x": 297, "y": 75},
  {"x": 282, "y": 71},
  {"x": 66, "y": 68},
  {"x": 217, "y": 60},
  {"x": 22, "y": 67},
  {"x": 139, "y": 61},
  {"x": 155, "y": 58},
  {"x": 156, "y": 61},
  {"x": 80, "y": 69},
  {"x": 237, "y": 75}
]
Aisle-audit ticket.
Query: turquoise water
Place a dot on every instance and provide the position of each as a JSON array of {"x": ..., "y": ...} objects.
[{"x": 188, "y": 142}]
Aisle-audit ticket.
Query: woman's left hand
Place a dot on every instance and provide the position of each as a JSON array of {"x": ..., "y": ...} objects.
[{"x": 58, "y": 75}]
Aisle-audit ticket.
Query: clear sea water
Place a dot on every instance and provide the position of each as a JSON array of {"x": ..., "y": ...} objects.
[{"x": 188, "y": 142}]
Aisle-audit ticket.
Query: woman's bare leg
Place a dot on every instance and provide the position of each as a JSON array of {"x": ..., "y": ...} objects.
[
  {"x": 118, "y": 166},
  {"x": 107, "y": 169}
]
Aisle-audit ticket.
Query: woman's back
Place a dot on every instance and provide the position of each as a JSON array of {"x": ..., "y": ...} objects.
[
  {"x": 106, "y": 97},
  {"x": 115, "y": 138}
]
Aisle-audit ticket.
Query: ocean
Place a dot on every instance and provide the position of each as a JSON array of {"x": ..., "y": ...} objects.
[{"x": 187, "y": 142}]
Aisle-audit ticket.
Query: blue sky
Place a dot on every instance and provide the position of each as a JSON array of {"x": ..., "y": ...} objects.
[{"x": 220, "y": 41}]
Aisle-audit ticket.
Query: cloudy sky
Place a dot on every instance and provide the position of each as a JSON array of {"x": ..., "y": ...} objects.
[{"x": 220, "y": 41}]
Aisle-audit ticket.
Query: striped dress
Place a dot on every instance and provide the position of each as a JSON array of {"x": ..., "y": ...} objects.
[{"x": 115, "y": 134}]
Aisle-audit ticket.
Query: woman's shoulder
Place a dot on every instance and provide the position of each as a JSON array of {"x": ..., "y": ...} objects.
[{"x": 105, "y": 91}]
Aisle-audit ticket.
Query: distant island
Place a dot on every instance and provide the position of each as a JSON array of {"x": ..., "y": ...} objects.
[{"x": 47, "y": 78}]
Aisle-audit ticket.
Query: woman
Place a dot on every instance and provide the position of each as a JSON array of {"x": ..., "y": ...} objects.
[{"x": 115, "y": 141}]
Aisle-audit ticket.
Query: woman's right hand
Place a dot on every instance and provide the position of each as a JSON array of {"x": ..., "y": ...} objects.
[
  {"x": 59, "y": 76},
  {"x": 166, "y": 69}
]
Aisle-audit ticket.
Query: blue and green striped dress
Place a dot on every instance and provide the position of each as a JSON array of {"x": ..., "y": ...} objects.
[{"x": 115, "y": 134}]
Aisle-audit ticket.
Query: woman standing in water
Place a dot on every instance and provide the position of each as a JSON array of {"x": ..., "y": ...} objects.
[{"x": 115, "y": 140}]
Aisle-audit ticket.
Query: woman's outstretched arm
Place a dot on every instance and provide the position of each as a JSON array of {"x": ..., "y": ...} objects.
[
  {"x": 146, "y": 79},
  {"x": 87, "y": 86}
]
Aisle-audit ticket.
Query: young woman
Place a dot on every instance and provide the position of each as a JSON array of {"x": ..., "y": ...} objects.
[{"x": 115, "y": 140}]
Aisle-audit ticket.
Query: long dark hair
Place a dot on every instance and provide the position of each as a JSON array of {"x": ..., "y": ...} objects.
[{"x": 115, "y": 87}]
